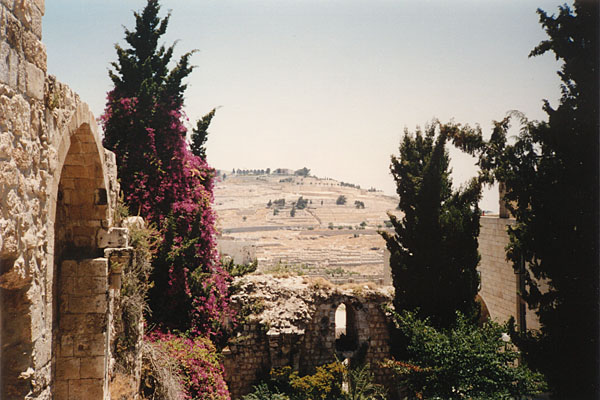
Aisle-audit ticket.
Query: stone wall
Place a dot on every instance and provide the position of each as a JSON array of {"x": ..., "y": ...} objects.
[
  {"x": 57, "y": 195},
  {"x": 499, "y": 283},
  {"x": 292, "y": 322}
]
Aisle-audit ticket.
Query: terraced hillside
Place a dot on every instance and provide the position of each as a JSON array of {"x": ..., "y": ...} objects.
[{"x": 338, "y": 241}]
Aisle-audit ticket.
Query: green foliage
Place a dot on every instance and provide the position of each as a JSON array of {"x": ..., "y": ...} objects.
[
  {"x": 282, "y": 269},
  {"x": 341, "y": 200},
  {"x": 200, "y": 134},
  {"x": 279, "y": 202},
  {"x": 302, "y": 172},
  {"x": 359, "y": 204},
  {"x": 434, "y": 246},
  {"x": 324, "y": 384},
  {"x": 235, "y": 270},
  {"x": 361, "y": 386},
  {"x": 135, "y": 284},
  {"x": 301, "y": 203},
  {"x": 550, "y": 172},
  {"x": 263, "y": 392},
  {"x": 198, "y": 364},
  {"x": 465, "y": 361},
  {"x": 142, "y": 69}
]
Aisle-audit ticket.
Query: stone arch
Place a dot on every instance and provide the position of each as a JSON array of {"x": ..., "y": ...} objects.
[
  {"x": 484, "y": 313},
  {"x": 81, "y": 209},
  {"x": 346, "y": 341}
]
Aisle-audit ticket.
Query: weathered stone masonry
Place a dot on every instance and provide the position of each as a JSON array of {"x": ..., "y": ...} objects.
[
  {"x": 60, "y": 256},
  {"x": 293, "y": 324}
]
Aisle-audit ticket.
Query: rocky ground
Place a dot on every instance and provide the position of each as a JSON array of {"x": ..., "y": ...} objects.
[{"x": 325, "y": 238}]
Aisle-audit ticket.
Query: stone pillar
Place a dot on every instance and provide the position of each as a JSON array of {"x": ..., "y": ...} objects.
[{"x": 81, "y": 368}]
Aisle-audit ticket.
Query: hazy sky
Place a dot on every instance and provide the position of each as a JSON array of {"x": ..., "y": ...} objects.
[{"x": 329, "y": 85}]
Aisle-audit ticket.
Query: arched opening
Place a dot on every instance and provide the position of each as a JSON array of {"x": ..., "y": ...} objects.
[
  {"x": 80, "y": 282},
  {"x": 346, "y": 332},
  {"x": 484, "y": 313}
]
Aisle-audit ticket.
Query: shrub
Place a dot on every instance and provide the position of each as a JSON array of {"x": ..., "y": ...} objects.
[
  {"x": 263, "y": 392},
  {"x": 324, "y": 384},
  {"x": 464, "y": 361},
  {"x": 301, "y": 203},
  {"x": 341, "y": 200},
  {"x": 197, "y": 363}
]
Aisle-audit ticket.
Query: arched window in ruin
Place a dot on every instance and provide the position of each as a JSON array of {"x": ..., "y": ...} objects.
[
  {"x": 484, "y": 313},
  {"x": 346, "y": 332},
  {"x": 80, "y": 281}
]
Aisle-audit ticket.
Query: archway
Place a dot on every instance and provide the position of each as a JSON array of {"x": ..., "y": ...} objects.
[
  {"x": 484, "y": 313},
  {"x": 80, "y": 284},
  {"x": 346, "y": 331}
]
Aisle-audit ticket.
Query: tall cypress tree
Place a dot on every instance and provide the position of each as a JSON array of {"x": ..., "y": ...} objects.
[
  {"x": 551, "y": 177},
  {"x": 434, "y": 246},
  {"x": 162, "y": 180}
]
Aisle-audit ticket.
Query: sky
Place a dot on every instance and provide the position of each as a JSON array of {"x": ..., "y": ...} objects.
[{"x": 330, "y": 85}]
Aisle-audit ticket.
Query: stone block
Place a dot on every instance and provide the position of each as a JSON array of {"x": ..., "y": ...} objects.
[
  {"x": 68, "y": 268},
  {"x": 61, "y": 390},
  {"x": 86, "y": 389},
  {"x": 66, "y": 346},
  {"x": 83, "y": 324},
  {"x": 67, "y": 368},
  {"x": 35, "y": 51},
  {"x": 96, "y": 304},
  {"x": 112, "y": 237},
  {"x": 92, "y": 367},
  {"x": 134, "y": 223},
  {"x": 88, "y": 285},
  {"x": 89, "y": 345},
  {"x": 94, "y": 267}
]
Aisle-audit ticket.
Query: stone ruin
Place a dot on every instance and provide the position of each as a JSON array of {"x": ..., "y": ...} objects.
[
  {"x": 60, "y": 255},
  {"x": 292, "y": 322}
]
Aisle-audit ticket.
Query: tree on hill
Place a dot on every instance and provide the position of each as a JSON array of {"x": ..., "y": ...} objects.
[
  {"x": 434, "y": 246},
  {"x": 302, "y": 172},
  {"x": 341, "y": 200},
  {"x": 162, "y": 180},
  {"x": 301, "y": 203},
  {"x": 551, "y": 177}
]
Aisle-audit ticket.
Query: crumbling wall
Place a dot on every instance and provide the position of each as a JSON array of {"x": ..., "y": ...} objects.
[
  {"x": 292, "y": 323},
  {"x": 57, "y": 195}
]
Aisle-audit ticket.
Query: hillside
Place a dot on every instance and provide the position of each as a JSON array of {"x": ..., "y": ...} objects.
[{"x": 339, "y": 241}]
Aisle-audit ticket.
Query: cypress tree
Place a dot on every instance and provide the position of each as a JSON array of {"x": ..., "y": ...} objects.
[
  {"x": 162, "y": 180},
  {"x": 434, "y": 244}
]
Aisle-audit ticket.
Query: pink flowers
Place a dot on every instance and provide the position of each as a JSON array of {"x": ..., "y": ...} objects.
[
  {"x": 199, "y": 365},
  {"x": 172, "y": 188}
]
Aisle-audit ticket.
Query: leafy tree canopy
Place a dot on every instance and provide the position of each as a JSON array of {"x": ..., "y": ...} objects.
[
  {"x": 434, "y": 245},
  {"x": 464, "y": 362},
  {"x": 551, "y": 176},
  {"x": 162, "y": 180},
  {"x": 200, "y": 134}
]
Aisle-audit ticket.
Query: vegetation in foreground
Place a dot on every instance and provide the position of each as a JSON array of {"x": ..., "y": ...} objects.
[
  {"x": 462, "y": 362},
  {"x": 333, "y": 381},
  {"x": 550, "y": 172}
]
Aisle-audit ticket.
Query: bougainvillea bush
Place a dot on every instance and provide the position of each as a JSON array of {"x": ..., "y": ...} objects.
[
  {"x": 163, "y": 181},
  {"x": 197, "y": 363}
]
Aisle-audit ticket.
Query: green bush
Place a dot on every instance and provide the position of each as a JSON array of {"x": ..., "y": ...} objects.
[
  {"x": 264, "y": 392},
  {"x": 463, "y": 362},
  {"x": 341, "y": 200},
  {"x": 324, "y": 384}
]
